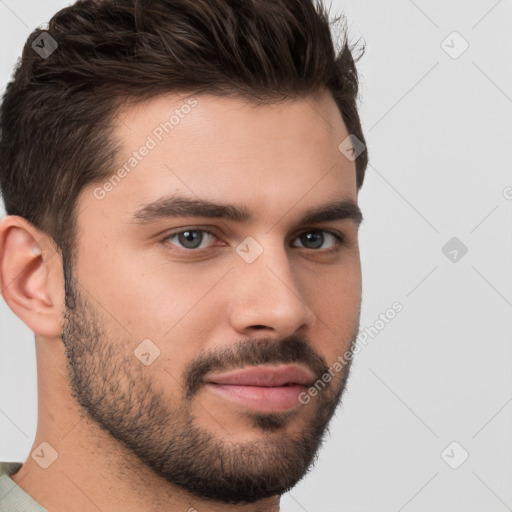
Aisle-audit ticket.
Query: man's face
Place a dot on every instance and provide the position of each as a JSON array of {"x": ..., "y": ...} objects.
[{"x": 160, "y": 315}]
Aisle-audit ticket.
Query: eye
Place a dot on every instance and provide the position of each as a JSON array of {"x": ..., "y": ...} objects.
[
  {"x": 192, "y": 239},
  {"x": 314, "y": 239}
]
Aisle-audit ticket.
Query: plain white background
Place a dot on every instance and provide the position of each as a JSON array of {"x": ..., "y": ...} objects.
[{"x": 434, "y": 385}]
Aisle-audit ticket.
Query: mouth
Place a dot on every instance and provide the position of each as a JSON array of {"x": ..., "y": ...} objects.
[{"x": 263, "y": 388}]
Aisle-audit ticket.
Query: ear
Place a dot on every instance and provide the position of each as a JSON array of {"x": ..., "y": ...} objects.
[{"x": 31, "y": 276}]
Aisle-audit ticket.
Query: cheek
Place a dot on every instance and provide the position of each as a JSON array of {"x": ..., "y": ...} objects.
[
  {"x": 171, "y": 309},
  {"x": 334, "y": 286},
  {"x": 335, "y": 297},
  {"x": 172, "y": 305}
]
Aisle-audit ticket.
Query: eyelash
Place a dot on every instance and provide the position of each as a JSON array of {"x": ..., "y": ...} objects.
[{"x": 339, "y": 240}]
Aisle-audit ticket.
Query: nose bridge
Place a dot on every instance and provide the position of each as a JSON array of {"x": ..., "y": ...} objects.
[{"x": 266, "y": 291}]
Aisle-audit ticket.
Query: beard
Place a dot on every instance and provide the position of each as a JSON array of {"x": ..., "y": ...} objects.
[{"x": 107, "y": 381}]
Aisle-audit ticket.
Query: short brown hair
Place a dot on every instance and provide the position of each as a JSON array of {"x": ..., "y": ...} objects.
[{"x": 57, "y": 112}]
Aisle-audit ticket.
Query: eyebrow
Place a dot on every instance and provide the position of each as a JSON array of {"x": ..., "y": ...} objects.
[{"x": 176, "y": 206}]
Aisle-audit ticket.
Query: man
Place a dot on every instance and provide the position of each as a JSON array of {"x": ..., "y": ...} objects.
[{"x": 181, "y": 182}]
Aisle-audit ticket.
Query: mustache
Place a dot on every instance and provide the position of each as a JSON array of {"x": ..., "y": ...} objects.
[{"x": 253, "y": 352}]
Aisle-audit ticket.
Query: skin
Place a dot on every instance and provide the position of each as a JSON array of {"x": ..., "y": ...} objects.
[{"x": 130, "y": 285}]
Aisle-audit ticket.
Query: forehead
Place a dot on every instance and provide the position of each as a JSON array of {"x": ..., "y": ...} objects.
[{"x": 224, "y": 149}]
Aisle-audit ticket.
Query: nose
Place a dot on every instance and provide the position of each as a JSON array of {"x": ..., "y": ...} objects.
[{"x": 266, "y": 294}]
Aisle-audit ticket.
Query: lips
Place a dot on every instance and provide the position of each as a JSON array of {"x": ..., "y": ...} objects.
[
  {"x": 266, "y": 389},
  {"x": 265, "y": 376}
]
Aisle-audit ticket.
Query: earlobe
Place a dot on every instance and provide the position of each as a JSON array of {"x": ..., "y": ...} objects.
[{"x": 27, "y": 268}]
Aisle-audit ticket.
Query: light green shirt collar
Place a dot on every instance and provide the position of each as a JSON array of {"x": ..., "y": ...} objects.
[{"x": 12, "y": 497}]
